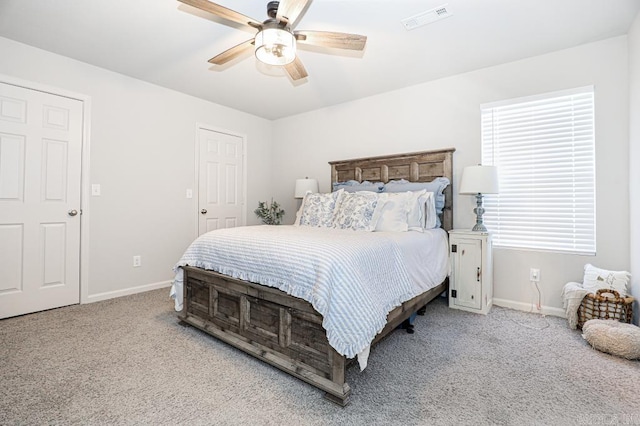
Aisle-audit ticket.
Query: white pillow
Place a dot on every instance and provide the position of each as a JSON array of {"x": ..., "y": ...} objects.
[
  {"x": 596, "y": 278},
  {"x": 415, "y": 210},
  {"x": 430, "y": 215},
  {"x": 422, "y": 211},
  {"x": 394, "y": 213},
  {"x": 318, "y": 210},
  {"x": 359, "y": 211}
]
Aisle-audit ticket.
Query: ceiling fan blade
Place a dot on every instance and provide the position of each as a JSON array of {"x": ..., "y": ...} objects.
[
  {"x": 331, "y": 39},
  {"x": 232, "y": 53},
  {"x": 290, "y": 10},
  {"x": 296, "y": 70},
  {"x": 223, "y": 12}
]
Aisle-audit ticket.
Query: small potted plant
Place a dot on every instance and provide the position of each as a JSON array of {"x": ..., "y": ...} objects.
[{"x": 271, "y": 214}]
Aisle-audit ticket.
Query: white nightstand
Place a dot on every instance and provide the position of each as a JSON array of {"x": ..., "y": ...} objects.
[{"x": 471, "y": 280}]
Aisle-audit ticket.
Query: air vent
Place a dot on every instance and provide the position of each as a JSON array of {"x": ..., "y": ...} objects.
[{"x": 427, "y": 17}]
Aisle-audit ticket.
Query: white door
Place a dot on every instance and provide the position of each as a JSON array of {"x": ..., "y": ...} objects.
[
  {"x": 40, "y": 169},
  {"x": 220, "y": 186}
]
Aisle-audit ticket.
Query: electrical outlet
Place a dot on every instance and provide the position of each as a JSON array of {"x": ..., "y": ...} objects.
[
  {"x": 137, "y": 261},
  {"x": 534, "y": 275}
]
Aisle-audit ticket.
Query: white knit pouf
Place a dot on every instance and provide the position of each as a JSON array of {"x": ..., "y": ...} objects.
[{"x": 613, "y": 337}]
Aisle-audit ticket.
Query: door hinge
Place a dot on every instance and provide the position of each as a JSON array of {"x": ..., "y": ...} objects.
[
  {"x": 454, "y": 293},
  {"x": 454, "y": 248}
]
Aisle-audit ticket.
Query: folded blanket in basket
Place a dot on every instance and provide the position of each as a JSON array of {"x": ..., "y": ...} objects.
[{"x": 572, "y": 295}]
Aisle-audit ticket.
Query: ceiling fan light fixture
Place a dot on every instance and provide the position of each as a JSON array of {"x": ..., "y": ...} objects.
[{"x": 275, "y": 46}]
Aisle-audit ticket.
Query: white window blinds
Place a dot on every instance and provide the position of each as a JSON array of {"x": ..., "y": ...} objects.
[{"x": 543, "y": 147}]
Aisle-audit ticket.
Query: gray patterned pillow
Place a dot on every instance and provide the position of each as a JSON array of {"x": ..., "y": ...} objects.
[
  {"x": 317, "y": 210},
  {"x": 359, "y": 211}
]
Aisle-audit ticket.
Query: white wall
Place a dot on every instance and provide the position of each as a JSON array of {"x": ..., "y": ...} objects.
[
  {"x": 445, "y": 113},
  {"x": 142, "y": 153},
  {"x": 634, "y": 160}
]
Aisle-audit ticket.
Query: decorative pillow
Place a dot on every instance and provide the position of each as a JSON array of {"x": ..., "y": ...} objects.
[
  {"x": 436, "y": 186},
  {"x": 394, "y": 215},
  {"x": 359, "y": 211},
  {"x": 596, "y": 278},
  {"x": 613, "y": 337},
  {"x": 355, "y": 186},
  {"x": 318, "y": 209}
]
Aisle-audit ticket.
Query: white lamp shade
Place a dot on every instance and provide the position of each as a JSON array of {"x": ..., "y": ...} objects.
[
  {"x": 479, "y": 180},
  {"x": 305, "y": 185}
]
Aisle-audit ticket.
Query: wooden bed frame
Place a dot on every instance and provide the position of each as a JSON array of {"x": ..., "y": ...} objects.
[{"x": 286, "y": 331}]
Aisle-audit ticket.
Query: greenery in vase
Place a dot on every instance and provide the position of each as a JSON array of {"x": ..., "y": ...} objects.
[{"x": 271, "y": 214}]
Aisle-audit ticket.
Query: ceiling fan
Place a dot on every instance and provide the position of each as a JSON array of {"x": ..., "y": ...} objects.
[{"x": 275, "y": 42}]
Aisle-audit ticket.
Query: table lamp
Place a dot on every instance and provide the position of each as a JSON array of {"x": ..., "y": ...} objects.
[
  {"x": 305, "y": 185},
  {"x": 479, "y": 180}
]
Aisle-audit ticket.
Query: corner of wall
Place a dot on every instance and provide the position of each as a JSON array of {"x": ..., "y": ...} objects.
[{"x": 634, "y": 159}]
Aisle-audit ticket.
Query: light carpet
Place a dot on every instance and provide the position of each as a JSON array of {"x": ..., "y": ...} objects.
[{"x": 127, "y": 361}]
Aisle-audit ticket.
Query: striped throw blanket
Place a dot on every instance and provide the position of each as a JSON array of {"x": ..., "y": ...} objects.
[{"x": 354, "y": 279}]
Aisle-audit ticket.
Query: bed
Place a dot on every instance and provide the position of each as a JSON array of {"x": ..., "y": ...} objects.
[{"x": 287, "y": 331}]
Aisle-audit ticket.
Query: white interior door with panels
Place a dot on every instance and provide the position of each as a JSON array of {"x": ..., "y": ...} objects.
[
  {"x": 221, "y": 180},
  {"x": 40, "y": 187}
]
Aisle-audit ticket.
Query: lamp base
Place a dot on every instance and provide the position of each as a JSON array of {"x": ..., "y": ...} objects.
[
  {"x": 479, "y": 228},
  {"x": 479, "y": 211}
]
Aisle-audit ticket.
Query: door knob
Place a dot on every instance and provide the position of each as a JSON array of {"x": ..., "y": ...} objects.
[
  {"x": 72, "y": 212},
  {"x": 203, "y": 211}
]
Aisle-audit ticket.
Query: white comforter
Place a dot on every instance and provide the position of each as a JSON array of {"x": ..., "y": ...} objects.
[{"x": 354, "y": 279}]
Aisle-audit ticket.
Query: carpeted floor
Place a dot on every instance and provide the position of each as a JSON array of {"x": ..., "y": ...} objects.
[{"x": 128, "y": 361}]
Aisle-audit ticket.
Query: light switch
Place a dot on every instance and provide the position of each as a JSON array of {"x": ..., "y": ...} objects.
[
  {"x": 95, "y": 189},
  {"x": 189, "y": 193}
]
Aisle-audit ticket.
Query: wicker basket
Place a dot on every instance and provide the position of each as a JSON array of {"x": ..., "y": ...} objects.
[{"x": 605, "y": 304}]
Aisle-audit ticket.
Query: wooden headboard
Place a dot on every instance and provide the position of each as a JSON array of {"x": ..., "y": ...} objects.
[{"x": 414, "y": 167}]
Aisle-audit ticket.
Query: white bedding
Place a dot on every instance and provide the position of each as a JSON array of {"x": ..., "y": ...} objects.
[{"x": 354, "y": 279}]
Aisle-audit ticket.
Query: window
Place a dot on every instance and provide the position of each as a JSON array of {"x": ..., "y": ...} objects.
[{"x": 543, "y": 147}]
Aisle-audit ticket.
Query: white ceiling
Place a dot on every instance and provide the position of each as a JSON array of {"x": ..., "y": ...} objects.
[{"x": 168, "y": 43}]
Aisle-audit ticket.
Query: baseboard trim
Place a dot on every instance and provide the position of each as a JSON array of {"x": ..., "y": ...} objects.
[
  {"x": 128, "y": 291},
  {"x": 526, "y": 307}
]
